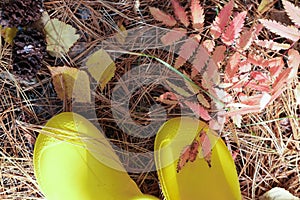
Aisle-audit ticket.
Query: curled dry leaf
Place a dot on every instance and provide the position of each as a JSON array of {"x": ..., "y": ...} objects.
[
  {"x": 101, "y": 67},
  {"x": 71, "y": 83},
  {"x": 278, "y": 194},
  {"x": 60, "y": 37}
]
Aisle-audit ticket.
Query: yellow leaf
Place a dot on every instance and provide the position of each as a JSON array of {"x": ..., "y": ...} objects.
[
  {"x": 8, "y": 34},
  {"x": 101, "y": 67},
  {"x": 60, "y": 37},
  {"x": 71, "y": 83},
  {"x": 122, "y": 34}
]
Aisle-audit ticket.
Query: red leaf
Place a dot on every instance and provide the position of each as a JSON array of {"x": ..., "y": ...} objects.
[
  {"x": 276, "y": 65},
  {"x": 200, "y": 60},
  {"x": 259, "y": 87},
  {"x": 246, "y": 39},
  {"x": 218, "y": 55},
  {"x": 173, "y": 36},
  {"x": 168, "y": 98},
  {"x": 270, "y": 44},
  {"x": 163, "y": 17},
  {"x": 197, "y": 14},
  {"x": 198, "y": 110},
  {"x": 180, "y": 13},
  {"x": 233, "y": 30},
  {"x": 233, "y": 65},
  {"x": 281, "y": 80},
  {"x": 220, "y": 22},
  {"x": 186, "y": 51},
  {"x": 289, "y": 32},
  {"x": 292, "y": 11},
  {"x": 184, "y": 158},
  {"x": 206, "y": 147}
]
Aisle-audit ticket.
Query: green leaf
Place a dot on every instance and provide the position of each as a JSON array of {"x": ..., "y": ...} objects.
[{"x": 101, "y": 67}]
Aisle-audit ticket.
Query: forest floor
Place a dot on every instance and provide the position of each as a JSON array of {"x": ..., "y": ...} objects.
[{"x": 266, "y": 145}]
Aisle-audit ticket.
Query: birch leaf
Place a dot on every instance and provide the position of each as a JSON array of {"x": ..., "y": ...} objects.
[
  {"x": 101, "y": 67},
  {"x": 60, "y": 37}
]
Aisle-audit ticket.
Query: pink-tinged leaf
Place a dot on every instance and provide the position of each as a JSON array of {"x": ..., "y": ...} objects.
[
  {"x": 223, "y": 95},
  {"x": 186, "y": 51},
  {"x": 260, "y": 87},
  {"x": 260, "y": 77},
  {"x": 197, "y": 14},
  {"x": 245, "y": 66},
  {"x": 218, "y": 55},
  {"x": 185, "y": 157},
  {"x": 247, "y": 38},
  {"x": 256, "y": 60},
  {"x": 260, "y": 99},
  {"x": 270, "y": 44},
  {"x": 292, "y": 11},
  {"x": 180, "y": 13},
  {"x": 293, "y": 62},
  {"x": 209, "y": 45},
  {"x": 233, "y": 30},
  {"x": 173, "y": 36},
  {"x": 237, "y": 120},
  {"x": 275, "y": 65},
  {"x": 206, "y": 147},
  {"x": 281, "y": 80},
  {"x": 168, "y": 98},
  {"x": 289, "y": 32},
  {"x": 233, "y": 65},
  {"x": 297, "y": 94},
  {"x": 163, "y": 17},
  {"x": 221, "y": 21},
  {"x": 200, "y": 60},
  {"x": 198, "y": 110}
]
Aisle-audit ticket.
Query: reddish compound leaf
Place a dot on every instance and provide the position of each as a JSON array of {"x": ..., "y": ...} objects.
[
  {"x": 246, "y": 39},
  {"x": 180, "y": 13},
  {"x": 163, "y": 17},
  {"x": 233, "y": 65},
  {"x": 197, "y": 14},
  {"x": 206, "y": 147},
  {"x": 186, "y": 51},
  {"x": 221, "y": 21},
  {"x": 276, "y": 65},
  {"x": 173, "y": 36},
  {"x": 218, "y": 55},
  {"x": 270, "y": 44},
  {"x": 200, "y": 60},
  {"x": 292, "y": 11},
  {"x": 289, "y": 32},
  {"x": 198, "y": 110},
  {"x": 233, "y": 30}
]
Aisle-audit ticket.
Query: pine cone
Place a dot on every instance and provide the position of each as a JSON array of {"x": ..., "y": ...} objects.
[
  {"x": 28, "y": 52},
  {"x": 20, "y": 12}
]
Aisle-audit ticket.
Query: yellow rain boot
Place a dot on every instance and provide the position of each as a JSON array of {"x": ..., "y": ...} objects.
[
  {"x": 74, "y": 161},
  {"x": 196, "y": 180}
]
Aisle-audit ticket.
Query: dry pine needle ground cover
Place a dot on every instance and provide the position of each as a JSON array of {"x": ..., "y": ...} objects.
[{"x": 266, "y": 145}]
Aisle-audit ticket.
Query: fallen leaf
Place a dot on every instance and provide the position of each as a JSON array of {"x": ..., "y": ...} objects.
[
  {"x": 71, "y": 83},
  {"x": 197, "y": 12},
  {"x": 121, "y": 34},
  {"x": 180, "y": 13},
  {"x": 60, "y": 37},
  {"x": 186, "y": 51},
  {"x": 8, "y": 34},
  {"x": 270, "y": 44},
  {"x": 198, "y": 110},
  {"x": 101, "y": 67},
  {"x": 292, "y": 11},
  {"x": 162, "y": 16},
  {"x": 278, "y": 194},
  {"x": 173, "y": 36}
]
